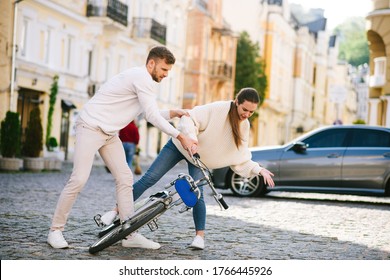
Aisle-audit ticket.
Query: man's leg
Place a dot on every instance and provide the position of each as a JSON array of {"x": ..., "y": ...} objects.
[
  {"x": 88, "y": 141},
  {"x": 114, "y": 157}
]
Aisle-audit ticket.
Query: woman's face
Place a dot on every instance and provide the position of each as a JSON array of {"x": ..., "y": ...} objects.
[{"x": 246, "y": 109}]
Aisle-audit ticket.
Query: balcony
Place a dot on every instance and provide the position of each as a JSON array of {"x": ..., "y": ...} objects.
[
  {"x": 221, "y": 70},
  {"x": 149, "y": 28},
  {"x": 113, "y": 9}
]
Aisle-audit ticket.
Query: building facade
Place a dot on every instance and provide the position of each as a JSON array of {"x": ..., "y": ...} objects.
[
  {"x": 84, "y": 43},
  {"x": 378, "y": 28},
  {"x": 210, "y": 55}
]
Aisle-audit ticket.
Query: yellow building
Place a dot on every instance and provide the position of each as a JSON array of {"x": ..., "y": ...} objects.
[
  {"x": 378, "y": 30},
  {"x": 6, "y": 51},
  {"x": 210, "y": 55}
]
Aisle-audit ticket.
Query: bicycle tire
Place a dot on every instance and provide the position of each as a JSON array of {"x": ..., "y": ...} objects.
[{"x": 120, "y": 232}]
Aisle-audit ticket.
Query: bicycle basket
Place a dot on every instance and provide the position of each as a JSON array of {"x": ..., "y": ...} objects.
[{"x": 188, "y": 195}]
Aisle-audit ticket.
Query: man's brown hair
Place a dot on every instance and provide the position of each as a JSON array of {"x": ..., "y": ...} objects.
[{"x": 161, "y": 52}]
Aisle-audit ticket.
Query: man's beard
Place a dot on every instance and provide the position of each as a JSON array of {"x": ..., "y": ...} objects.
[{"x": 154, "y": 76}]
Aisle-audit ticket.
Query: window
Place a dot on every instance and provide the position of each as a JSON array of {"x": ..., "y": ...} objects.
[
  {"x": 329, "y": 138},
  {"x": 69, "y": 52},
  {"x": 24, "y": 37},
  {"x": 370, "y": 138},
  {"x": 45, "y": 46},
  {"x": 47, "y": 39}
]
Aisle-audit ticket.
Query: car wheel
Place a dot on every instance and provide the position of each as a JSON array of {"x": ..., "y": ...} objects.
[
  {"x": 245, "y": 186},
  {"x": 387, "y": 190}
]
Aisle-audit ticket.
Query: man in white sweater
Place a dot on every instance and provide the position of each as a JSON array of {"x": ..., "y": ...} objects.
[{"x": 118, "y": 102}]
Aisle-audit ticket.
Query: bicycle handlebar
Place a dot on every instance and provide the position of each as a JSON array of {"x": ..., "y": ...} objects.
[{"x": 218, "y": 197}]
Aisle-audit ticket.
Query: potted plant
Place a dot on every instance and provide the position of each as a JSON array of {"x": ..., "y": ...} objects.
[
  {"x": 10, "y": 142},
  {"x": 33, "y": 144},
  {"x": 52, "y": 155}
]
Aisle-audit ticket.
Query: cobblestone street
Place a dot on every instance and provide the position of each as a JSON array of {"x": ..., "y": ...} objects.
[{"x": 280, "y": 226}]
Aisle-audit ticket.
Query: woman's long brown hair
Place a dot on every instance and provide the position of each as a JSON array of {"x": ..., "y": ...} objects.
[{"x": 245, "y": 94}]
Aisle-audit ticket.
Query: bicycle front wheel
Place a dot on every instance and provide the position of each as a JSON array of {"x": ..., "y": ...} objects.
[{"x": 131, "y": 225}]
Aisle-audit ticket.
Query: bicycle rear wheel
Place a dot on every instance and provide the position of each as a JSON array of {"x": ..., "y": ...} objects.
[{"x": 131, "y": 225}]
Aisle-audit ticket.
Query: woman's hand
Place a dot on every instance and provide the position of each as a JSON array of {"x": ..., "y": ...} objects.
[{"x": 267, "y": 175}]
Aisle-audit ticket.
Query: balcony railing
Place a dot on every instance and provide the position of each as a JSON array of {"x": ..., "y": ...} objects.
[
  {"x": 149, "y": 28},
  {"x": 220, "y": 69},
  {"x": 113, "y": 9}
]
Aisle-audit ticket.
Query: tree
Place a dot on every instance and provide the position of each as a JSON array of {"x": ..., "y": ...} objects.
[
  {"x": 34, "y": 134},
  {"x": 250, "y": 68},
  {"x": 52, "y": 102},
  {"x": 353, "y": 41},
  {"x": 10, "y": 135}
]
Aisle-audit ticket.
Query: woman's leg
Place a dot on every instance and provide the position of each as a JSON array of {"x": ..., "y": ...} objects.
[
  {"x": 168, "y": 157},
  {"x": 199, "y": 210}
]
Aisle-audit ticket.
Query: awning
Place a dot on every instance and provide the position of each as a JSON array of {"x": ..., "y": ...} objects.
[{"x": 67, "y": 105}]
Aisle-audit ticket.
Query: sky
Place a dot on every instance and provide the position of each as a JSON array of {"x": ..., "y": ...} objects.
[{"x": 336, "y": 11}]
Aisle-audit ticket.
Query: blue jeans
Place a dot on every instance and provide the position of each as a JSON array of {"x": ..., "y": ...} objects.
[
  {"x": 168, "y": 157},
  {"x": 130, "y": 152}
]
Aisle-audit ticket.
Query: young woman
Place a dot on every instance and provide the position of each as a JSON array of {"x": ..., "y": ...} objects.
[{"x": 222, "y": 131}]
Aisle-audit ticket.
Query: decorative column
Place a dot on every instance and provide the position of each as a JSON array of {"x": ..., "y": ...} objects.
[{"x": 373, "y": 111}]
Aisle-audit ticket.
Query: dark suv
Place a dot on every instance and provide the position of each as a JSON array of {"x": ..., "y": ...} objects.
[{"x": 352, "y": 159}]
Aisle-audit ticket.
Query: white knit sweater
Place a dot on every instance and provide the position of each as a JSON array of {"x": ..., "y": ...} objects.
[
  {"x": 210, "y": 125},
  {"x": 122, "y": 98}
]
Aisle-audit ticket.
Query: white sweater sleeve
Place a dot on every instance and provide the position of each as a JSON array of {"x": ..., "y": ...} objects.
[
  {"x": 188, "y": 127},
  {"x": 149, "y": 106}
]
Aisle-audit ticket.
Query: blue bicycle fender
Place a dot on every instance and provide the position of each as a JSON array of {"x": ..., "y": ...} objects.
[{"x": 183, "y": 188}]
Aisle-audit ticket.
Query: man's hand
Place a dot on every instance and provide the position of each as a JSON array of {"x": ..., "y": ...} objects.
[
  {"x": 178, "y": 113},
  {"x": 189, "y": 144}
]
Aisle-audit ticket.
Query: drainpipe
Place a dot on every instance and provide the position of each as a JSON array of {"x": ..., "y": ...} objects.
[{"x": 11, "y": 102}]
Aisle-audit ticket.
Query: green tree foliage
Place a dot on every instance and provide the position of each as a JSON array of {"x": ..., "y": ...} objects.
[
  {"x": 10, "y": 135},
  {"x": 34, "y": 135},
  {"x": 353, "y": 41},
  {"x": 250, "y": 67},
  {"x": 52, "y": 102}
]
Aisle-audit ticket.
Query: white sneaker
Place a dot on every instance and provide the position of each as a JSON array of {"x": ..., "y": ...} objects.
[
  {"x": 136, "y": 240},
  {"x": 57, "y": 240},
  {"x": 198, "y": 243},
  {"x": 108, "y": 217}
]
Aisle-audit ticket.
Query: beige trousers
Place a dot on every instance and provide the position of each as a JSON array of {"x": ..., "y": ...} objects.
[{"x": 89, "y": 140}]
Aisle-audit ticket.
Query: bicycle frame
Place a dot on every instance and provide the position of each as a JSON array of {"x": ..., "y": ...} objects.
[{"x": 185, "y": 191}]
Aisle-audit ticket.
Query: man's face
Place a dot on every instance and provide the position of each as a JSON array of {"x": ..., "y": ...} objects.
[
  {"x": 158, "y": 69},
  {"x": 246, "y": 109}
]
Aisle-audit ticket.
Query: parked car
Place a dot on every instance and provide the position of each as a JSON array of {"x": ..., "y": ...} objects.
[{"x": 352, "y": 159}]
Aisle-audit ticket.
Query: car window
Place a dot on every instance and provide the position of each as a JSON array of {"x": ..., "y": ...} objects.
[
  {"x": 326, "y": 139},
  {"x": 370, "y": 138}
]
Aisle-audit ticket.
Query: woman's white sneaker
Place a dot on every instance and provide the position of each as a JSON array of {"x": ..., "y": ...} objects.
[
  {"x": 198, "y": 243},
  {"x": 136, "y": 240},
  {"x": 57, "y": 240}
]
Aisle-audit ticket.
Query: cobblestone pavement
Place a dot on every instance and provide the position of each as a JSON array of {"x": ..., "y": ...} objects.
[{"x": 280, "y": 226}]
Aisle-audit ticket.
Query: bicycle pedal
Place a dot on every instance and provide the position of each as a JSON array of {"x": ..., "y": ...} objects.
[
  {"x": 153, "y": 225},
  {"x": 98, "y": 220}
]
